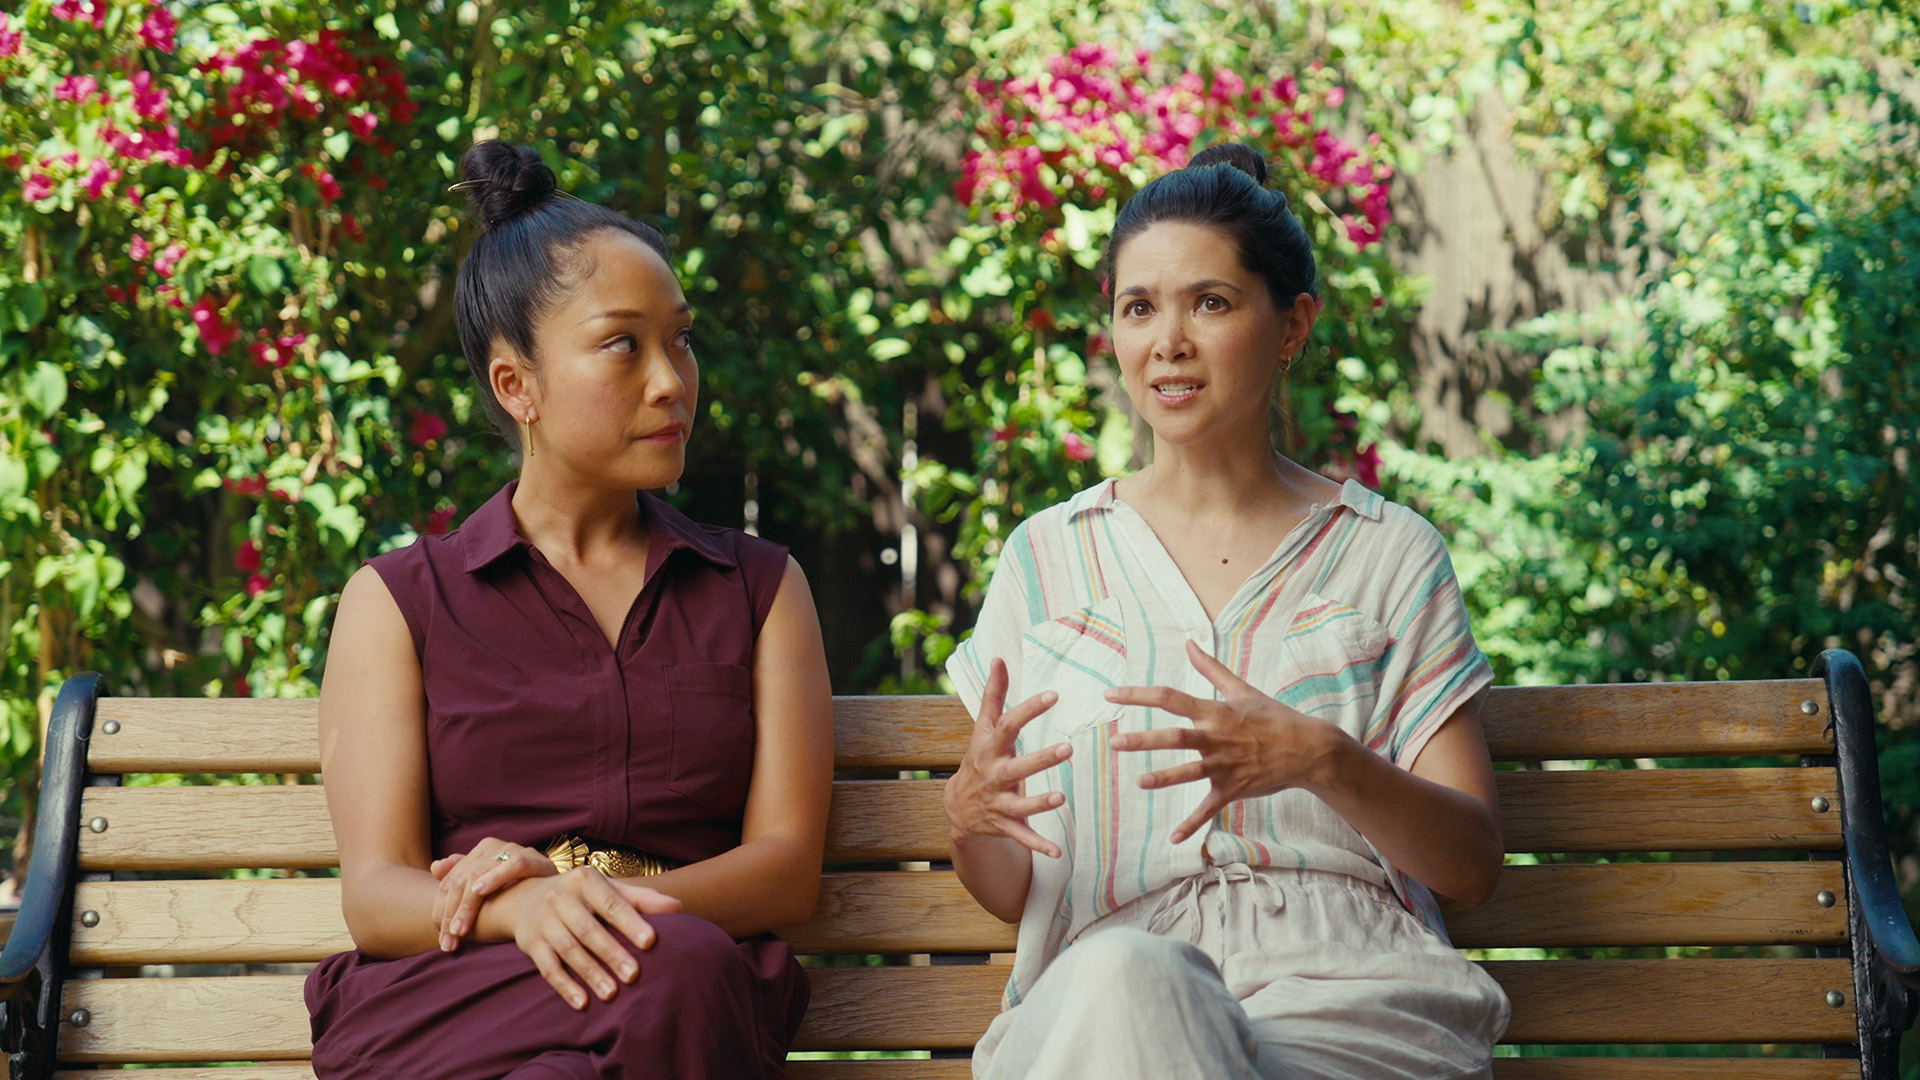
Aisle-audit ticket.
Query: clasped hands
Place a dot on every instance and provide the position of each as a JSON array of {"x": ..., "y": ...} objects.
[
  {"x": 1249, "y": 745},
  {"x": 560, "y": 920}
]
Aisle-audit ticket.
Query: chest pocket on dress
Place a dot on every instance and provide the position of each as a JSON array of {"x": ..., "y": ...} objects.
[
  {"x": 1331, "y": 660},
  {"x": 1080, "y": 656},
  {"x": 713, "y": 732}
]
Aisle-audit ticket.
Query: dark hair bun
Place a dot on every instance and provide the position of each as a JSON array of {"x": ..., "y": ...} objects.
[
  {"x": 506, "y": 181},
  {"x": 1239, "y": 155}
]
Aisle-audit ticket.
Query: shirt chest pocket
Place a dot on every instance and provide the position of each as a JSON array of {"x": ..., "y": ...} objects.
[
  {"x": 713, "y": 735},
  {"x": 1080, "y": 656},
  {"x": 1331, "y": 661}
]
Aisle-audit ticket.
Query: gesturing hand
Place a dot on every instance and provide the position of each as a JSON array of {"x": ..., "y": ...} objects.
[
  {"x": 1250, "y": 745},
  {"x": 466, "y": 880},
  {"x": 984, "y": 796}
]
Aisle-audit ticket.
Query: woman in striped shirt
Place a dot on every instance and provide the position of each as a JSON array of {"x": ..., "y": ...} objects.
[{"x": 1233, "y": 772}]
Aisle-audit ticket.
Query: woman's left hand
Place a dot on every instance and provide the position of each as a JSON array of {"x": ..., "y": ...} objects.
[
  {"x": 467, "y": 880},
  {"x": 1250, "y": 745}
]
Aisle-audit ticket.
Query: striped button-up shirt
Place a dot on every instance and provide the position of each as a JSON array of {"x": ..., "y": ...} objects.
[{"x": 1356, "y": 619}]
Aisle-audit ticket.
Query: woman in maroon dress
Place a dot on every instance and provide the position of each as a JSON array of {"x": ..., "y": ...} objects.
[{"x": 579, "y": 674}]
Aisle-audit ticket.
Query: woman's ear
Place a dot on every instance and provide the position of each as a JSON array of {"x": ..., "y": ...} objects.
[
  {"x": 1298, "y": 326},
  {"x": 512, "y": 382}
]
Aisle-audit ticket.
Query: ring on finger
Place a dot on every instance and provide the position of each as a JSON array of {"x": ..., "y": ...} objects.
[{"x": 504, "y": 855}]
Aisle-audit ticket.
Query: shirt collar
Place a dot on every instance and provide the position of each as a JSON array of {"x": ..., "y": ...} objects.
[
  {"x": 1353, "y": 494},
  {"x": 492, "y": 531}
]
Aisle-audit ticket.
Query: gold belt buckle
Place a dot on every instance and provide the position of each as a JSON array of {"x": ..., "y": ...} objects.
[{"x": 613, "y": 860}]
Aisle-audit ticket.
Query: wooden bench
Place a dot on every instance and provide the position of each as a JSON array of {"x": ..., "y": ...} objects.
[{"x": 1779, "y": 848}]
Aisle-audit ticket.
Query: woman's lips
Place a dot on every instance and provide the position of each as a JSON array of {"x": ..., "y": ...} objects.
[
  {"x": 1176, "y": 392},
  {"x": 666, "y": 435}
]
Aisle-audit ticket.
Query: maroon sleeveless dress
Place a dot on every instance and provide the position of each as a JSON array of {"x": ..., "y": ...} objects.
[{"x": 535, "y": 728}]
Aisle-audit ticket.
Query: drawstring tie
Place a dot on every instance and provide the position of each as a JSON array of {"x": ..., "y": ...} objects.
[{"x": 1178, "y": 913}]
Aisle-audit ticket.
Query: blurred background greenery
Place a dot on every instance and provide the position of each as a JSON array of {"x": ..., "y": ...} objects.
[{"x": 1621, "y": 293}]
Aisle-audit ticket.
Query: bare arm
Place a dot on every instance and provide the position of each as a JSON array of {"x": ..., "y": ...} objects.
[
  {"x": 373, "y": 752},
  {"x": 773, "y": 878}
]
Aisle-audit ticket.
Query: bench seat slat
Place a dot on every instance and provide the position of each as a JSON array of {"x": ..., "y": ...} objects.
[
  {"x": 299, "y": 920},
  {"x": 1523, "y": 723},
  {"x": 264, "y": 1018},
  {"x": 230, "y": 827}
]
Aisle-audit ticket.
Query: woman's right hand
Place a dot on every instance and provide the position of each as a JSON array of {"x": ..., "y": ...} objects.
[
  {"x": 984, "y": 798},
  {"x": 562, "y": 923}
]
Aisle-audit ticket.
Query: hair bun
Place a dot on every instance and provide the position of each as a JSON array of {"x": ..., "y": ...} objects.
[
  {"x": 507, "y": 181},
  {"x": 1239, "y": 155}
]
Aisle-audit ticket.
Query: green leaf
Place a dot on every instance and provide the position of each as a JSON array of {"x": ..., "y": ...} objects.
[
  {"x": 448, "y": 129},
  {"x": 888, "y": 349},
  {"x": 387, "y": 27},
  {"x": 266, "y": 274},
  {"x": 338, "y": 144},
  {"x": 29, "y": 307},
  {"x": 46, "y": 389}
]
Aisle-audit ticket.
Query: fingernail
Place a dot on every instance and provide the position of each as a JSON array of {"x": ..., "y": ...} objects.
[
  {"x": 1049, "y": 697},
  {"x": 579, "y": 1001},
  {"x": 459, "y": 927},
  {"x": 627, "y": 972}
]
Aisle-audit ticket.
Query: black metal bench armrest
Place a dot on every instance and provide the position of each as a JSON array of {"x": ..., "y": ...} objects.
[
  {"x": 55, "y": 838},
  {"x": 1870, "y": 862}
]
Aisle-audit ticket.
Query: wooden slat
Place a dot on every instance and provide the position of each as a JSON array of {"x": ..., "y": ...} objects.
[
  {"x": 1668, "y": 810},
  {"x": 299, "y": 920},
  {"x": 227, "y": 827},
  {"x": 263, "y": 1018},
  {"x": 922, "y": 1069},
  {"x": 914, "y": 1069},
  {"x": 1676, "y": 1001},
  {"x": 206, "y": 828},
  {"x": 887, "y": 821},
  {"x": 1523, "y": 723},
  {"x": 1564, "y": 1068},
  {"x": 1656, "y": 904},
  {"x": 1675, "y": 719},
  {"x": 1674, "y": 1068},
  {"x": 232, "y": 735}
]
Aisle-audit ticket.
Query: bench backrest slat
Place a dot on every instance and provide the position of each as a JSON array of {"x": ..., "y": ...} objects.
[
  {"x": 299, "y": 920},
  {"x": 225, "y": 827},
  {"x": 1523, "y": 723}
]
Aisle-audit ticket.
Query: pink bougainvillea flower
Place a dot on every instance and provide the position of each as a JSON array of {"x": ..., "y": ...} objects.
[
  {"x": 139, "y": 249},
  {"x": 82, "y": 11},
  {"x": 251, "y": 486},
  {"x": 329, "y": 189},
  {"x": 1227, "y": 86},
  {"x": 351, "y": 226},
  {"x": 362, "y": 124},
  {"x": 257, "y": 583},
  {"x": 168, "y": 259},
  {"x": 1005, "y": 434},
  {"x": 246, "y": 558},
  {"x": 216, "y": 333},
  {"x": 1367, "y": 464},
  {"x": 149, "y": 100},
  {"x": 10, "y": 39},
  {"x": 157, "y": 30},
  {"x": 76, "y": 88},
  {"x": 1287, "y": 90},
  {"x": 426, "y": 427},
  {"x": 100, "y": 173},
  {"x": 1336, "y": 96},
  {"x": 38, "y": 186},
  {"x": 440, "y": 520},
  {"x": 1077, "y": 448}
]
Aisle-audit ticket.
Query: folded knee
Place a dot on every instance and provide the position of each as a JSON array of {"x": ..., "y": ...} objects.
[{"x": 1125, "y": 956}]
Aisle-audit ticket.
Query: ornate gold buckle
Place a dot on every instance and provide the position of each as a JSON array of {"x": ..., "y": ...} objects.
[{"x": 613, "y": 860}]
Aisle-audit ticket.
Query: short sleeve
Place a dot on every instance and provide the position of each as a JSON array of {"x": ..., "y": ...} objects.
[
  {"x": 408, "y": 575},
  {"x": 1005, "y": 615},
  {"x": 763, "y": 567},
  {"x": 1435, "y": 666}
]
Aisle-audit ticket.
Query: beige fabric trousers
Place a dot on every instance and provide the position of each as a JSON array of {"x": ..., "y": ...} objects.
[{"x": 1240, "y": 973}]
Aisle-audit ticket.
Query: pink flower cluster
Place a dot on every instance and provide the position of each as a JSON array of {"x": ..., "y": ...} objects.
[
  {"x": 10, "y": 39},
  {"x": 267, "y": 80},
  {"x": 1078, "y": 126},
  {"x": 82, "y": 11},
  {"x": 277, "y": 352}
]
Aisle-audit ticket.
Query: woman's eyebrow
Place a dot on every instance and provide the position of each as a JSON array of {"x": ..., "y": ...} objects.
[
  {"x": 1213, "y": 283},
  {"x": 630, "y": 313}
]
